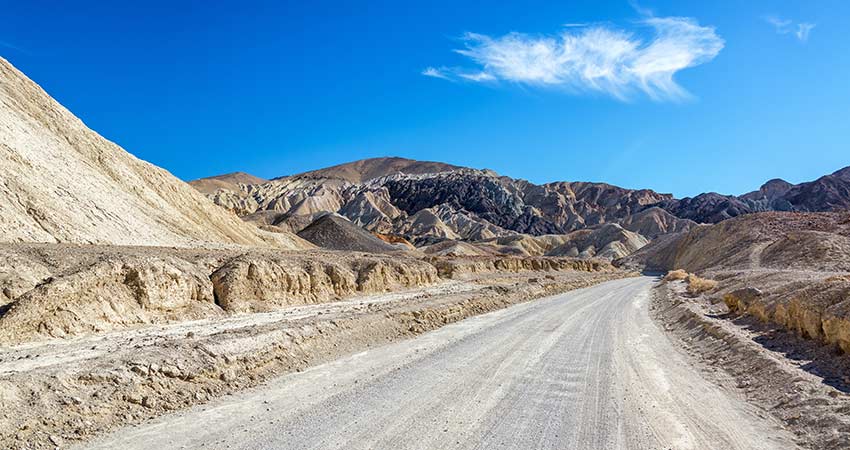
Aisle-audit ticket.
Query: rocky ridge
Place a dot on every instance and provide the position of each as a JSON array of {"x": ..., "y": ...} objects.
[
  {"x": 827, "y": 193},
  {"x": 395, "y": 196},
  {"x": 460, "y": 204},
  {"x": 55, "y": 290}
]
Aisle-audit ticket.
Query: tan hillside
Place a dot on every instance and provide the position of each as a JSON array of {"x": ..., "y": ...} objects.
[
  {"x": 62, "y": 182},
  {"x": 230, "y": 181},
  {"x": 789, "y": 269},
  {"x": 368, "y": 169}
]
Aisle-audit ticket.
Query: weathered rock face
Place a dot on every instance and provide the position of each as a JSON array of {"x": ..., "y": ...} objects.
[
  {"x": 709, "y": 207},
  {"x": 827, "y": 193},
  {"x": 252, "y": 284},
  {"x": 111, "y": 293},
  {"x": 57, "y": 290},
  {"x": 815, "y": 309},
  {"x": 485, "y": 196},
  {"x": 459, "y": 267},
  {"x": 455, "y": 204},
  {"x": 68, "y": 290},
  {"x": 578, "y": 205},
  {"x": 62, "y": 182},
  {"x": 609, "y": 241},
  {"x": 770, "y": 194},
  {"x": 790, "y": 269},
  {"x": 654, "y": 222},
  {"x": 770, "y": 240},
  {"x": 446, "y": 222}
]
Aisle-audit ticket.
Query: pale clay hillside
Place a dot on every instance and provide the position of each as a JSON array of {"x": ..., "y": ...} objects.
[{"x": 62, "y": 182}]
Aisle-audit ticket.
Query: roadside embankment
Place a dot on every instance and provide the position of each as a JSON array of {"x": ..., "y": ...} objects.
[
  {"x": 816, "y": 309},
  {"x": 63, "y": 391},
  {"x": 788, "y": 269},
  {"x": 51, "y": 290},
  {"x": 801, "y": 383},
  {"x": 54, "y": 290}
]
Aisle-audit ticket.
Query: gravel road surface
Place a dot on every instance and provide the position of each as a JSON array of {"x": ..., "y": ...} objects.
[{"x": 587, "y": 369}]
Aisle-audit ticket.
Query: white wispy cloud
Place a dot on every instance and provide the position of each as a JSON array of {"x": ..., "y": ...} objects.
[
  {"x": 800, "y": 30},
  {"x": 435, "y": 73},
  {"x": 477, "y": 76},
  {"x": 803, "y": 30},
  {"x": 594, "y": 58}
]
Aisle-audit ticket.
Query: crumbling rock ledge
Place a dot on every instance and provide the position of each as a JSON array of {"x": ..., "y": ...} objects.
[
  {"x": 68, "y": 290},
  {"x": 817, "y": 309},
  {"x": 251, "y": 284},
  {"x": 52, "y": 290},
  {"x": 812, "y": 402},
  {"x": 450, "y": 267}
]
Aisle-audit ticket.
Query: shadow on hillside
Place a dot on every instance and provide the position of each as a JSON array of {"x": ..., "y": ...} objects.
[{"x": 817, "y": 358}]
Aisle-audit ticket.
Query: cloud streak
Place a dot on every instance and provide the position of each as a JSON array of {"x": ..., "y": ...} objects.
[
  {"x": 434, "y": 72},
  {"x": 8, "y": 45},
  {"x": 593, "y": 58},
  {"x": 800, "y": 30}
]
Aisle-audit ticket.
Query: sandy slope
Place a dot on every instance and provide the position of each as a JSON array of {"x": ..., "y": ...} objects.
[
  {"x": 62, "y": 182},
  {"x": 586, "y": 369}
]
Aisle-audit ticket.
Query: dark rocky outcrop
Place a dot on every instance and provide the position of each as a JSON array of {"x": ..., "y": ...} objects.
[{"x": 827, "y": 193}]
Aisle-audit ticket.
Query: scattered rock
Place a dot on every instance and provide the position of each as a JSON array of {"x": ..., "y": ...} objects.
[{"x": 149, "y": 402}]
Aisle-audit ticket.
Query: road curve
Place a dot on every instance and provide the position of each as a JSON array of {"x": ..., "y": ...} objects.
[{"x": 587, "y": 369}]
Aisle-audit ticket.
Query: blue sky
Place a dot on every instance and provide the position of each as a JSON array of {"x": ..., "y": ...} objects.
[{"x": 680, "y": 97}]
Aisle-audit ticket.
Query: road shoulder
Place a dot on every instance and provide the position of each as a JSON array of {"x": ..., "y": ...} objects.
[{"x": 791, "y": 380}]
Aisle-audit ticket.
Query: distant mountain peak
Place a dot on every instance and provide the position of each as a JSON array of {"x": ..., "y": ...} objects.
[
  {"x": 776, "y": 182},
  {"x": 844, "y": 173},
  {"x": 230, "y": 181},
  {"x": 364, "y": 170},
  {"x": 775, "y": 188}
]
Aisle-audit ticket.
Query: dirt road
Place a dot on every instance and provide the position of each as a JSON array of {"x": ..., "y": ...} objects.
[{"x": 586, "y": 369}]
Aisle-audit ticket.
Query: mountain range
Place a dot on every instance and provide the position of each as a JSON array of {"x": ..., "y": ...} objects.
[
  {"x": 64, "y": 183},
  {"x": 827, "y": 193},
  {"x": 429, "y": 202}
]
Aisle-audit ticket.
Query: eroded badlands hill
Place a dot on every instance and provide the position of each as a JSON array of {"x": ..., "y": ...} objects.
[
  {"x": 62, "y": 182},
  {"x": 428, "y": 204},
  {"x": 787, "y": 268},
  {"x": 394, "y": 196}
]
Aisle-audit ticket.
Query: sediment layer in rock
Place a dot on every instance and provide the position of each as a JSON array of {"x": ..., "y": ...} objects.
[{"x": 51, "y": 290}]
